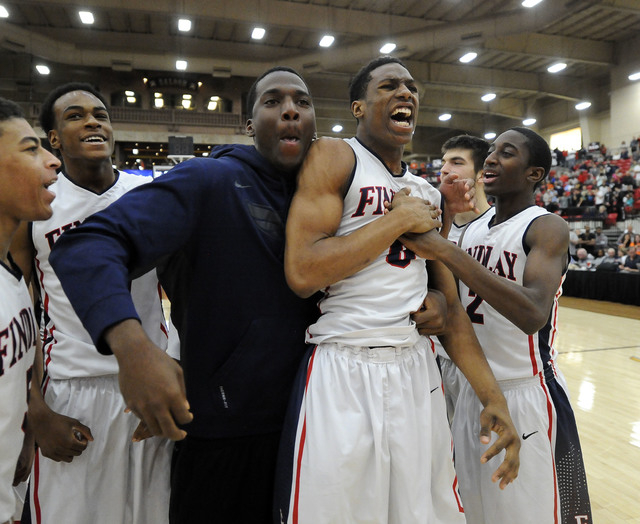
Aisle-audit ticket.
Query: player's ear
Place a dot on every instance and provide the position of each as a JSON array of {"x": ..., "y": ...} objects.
[
  {"x": 357, "y": 108},
  {"x": 54, "y": 139},
  {"x": 536, "y": 174},
  {"x": 249, "y": 128}
]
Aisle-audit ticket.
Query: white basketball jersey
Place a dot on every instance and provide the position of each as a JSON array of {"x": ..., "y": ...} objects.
[
  {"x": 511, "y": 353},
  {"x": 68, "y": 349},
  {"x": 454, "y": 235},
  {"x": 372, "y": 307},
  {"x": 18, "y": 332}
]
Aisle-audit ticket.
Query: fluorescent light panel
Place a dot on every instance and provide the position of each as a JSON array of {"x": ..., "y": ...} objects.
[
  {"x": 387, "y": 48},
  {"x": 184, "y": 24},
  {"x": 86, "y": 17},
  {"x": 3, "y": 12},
  {"x": 326, "y": 41},
  {"x": 181, "y": 65},
  {"x": 557, "y": 67},
  {"x": 468, "y": 57},
  {"x": 258, "y": 33}
]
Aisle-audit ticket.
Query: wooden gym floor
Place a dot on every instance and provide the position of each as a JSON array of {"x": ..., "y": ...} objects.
[{"x": 599, "y": 354}]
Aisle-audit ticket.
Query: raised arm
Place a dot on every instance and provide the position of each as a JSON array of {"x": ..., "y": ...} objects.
[
  {"x": 460, "y": 342},
  {"x": 528, "y": 305},
  {"x": 314, "y": 256}
]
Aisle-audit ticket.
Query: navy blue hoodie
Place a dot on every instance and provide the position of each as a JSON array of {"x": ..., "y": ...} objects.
[{"x": 214, "y": 228}]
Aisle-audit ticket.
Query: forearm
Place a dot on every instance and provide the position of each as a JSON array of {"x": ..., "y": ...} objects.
[{"x": 461, "y": 344}]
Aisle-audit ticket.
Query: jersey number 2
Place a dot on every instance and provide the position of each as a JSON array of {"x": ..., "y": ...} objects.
[{"x": 474, "y": 316}]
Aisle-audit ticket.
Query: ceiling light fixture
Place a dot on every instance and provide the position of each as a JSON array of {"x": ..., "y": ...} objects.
[
  {"x": 488, "y": 97},
  {"x": 337, "y": 128},
  {"x": 529, "y": 121},
  {"x": 184, "y": 25},
  {"x": 634, "y": 76},
  {"x": 530, "y": 3},
  {"x": 490, "y": 135},
  {"x": 468, "y": 57},
  {"x": 258, "y": 33},
  {"x": 86, "y": 17},
  {"x": 43, "y": 69},
  {"x": 583, "y": 105},
  {"x": 557, "y": 67},
  {"x": 326, "y": 41},
  {"x": 181, "y": 65},
  {"x": 3, "y": 12},
  {"x": 387, "y": 48},
  {"x": 444, "y": 117}
]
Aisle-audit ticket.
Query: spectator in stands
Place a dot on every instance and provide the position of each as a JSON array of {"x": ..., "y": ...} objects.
[
  {"x": 574, "y": 240},
  {"x": 583, "y": 260},
  {"x": 632, "y": 262},
  {"x": 599, "y": 257},
  {"x": 601, "y": 240},
  {"x": 611, "y": 257},
  {"x": 588, "y": 240},
  {"x": 626, "y": 241},
  {"x": 628, "y": 231}
]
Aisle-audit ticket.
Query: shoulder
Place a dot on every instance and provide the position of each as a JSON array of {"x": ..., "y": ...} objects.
[
  {"x": 329, "y": 163},
  {"x": 548, "y": 229}
]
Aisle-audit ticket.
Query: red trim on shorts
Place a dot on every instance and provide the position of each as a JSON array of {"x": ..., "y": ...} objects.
[
  {"x": 549, "y": 435},
  {"x": 36, "y": 479},
  {"x": 303, "y": 434}
]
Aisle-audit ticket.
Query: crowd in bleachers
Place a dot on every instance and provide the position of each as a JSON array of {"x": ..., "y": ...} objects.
[{"x": 593, "y": 185}]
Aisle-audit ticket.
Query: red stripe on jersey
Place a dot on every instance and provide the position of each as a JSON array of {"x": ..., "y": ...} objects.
[
  {"x": 532, "y": 355},
  {"x": 303, "y": 433},
  {"x": 549, "y": 435}
]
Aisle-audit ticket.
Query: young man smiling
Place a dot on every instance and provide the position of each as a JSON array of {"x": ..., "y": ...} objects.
[
  {"x": 511, "y": 267},
  {"x": 369, "y": 438},
  {"x": 27, "y": 170},
  {"x": 87, "y": 468},
  {"x": 216, "y": 225}
]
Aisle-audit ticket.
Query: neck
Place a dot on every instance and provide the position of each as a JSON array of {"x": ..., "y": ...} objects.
[
  {"x": 391, "y": 155},
  {"x": 462, "y": 219},
  {"x": 511, "y": 205},
  {"x": 95, "y": 176}
]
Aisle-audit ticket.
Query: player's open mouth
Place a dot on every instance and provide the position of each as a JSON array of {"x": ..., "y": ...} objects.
[
  {"x": 489, "y": 175},
  {"x": 94, "y": 139},
  {"x": 290, "y": 139},
  {"x": 402, "y": 116}
]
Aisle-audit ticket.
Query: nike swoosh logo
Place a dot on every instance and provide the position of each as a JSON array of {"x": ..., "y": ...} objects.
[
  {"x": 525, "y": 437},
  {"x": 240, "y": 186},
  {"x": 434, "y": 389}
]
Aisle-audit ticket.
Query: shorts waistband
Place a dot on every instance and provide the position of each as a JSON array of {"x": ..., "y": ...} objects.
[{"x": 374, "y": 353}]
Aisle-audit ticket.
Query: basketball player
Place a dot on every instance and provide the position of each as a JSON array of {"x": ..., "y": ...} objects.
[
  {"x": 87, "y": 468},
  {"x": 220, "y": 222},
  {"x": 511, "y": 267},
  {"x": 462, "y": 155},
  {"x": 372, "y": 443},
  {"x": 26, "y": 172}
]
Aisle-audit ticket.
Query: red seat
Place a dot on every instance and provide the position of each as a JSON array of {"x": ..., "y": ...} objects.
[{"x": 611, "y": 219}]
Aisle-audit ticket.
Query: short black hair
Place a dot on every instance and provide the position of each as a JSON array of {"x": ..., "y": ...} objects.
[
  {"x": 479, "y": 148},
  {"x": 539, "y": 152},
  {"x": 360, "y": 82},
  {"x": 9, "y": 110},
  {"x": 47, "y": 117},
  {"x": 253, "y": 95}
]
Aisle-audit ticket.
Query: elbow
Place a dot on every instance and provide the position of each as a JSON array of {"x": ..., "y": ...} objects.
[
  {"x": 299, "y": 284},
  {"x": 533, "y": 324}
]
